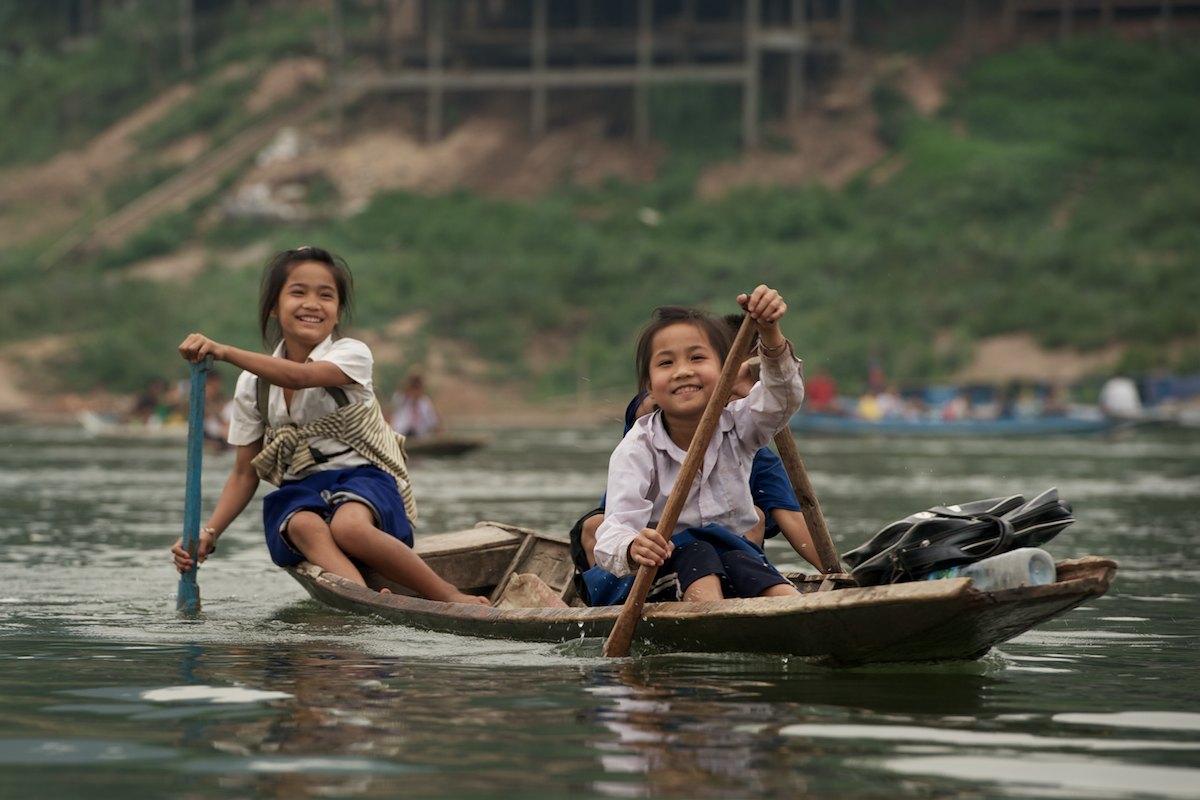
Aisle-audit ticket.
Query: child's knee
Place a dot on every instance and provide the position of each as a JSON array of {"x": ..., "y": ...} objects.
[
  {"x": 305, "y": 528},
  {"x": 349, "y": 516},
  {"x": 587, "y": 537}
]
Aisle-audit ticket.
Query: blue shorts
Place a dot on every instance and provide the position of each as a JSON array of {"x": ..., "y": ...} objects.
[
  {"x": 712, "y": 550},
  {"x": 771, "y": 488},
  {"x": 323, "y": 493}
]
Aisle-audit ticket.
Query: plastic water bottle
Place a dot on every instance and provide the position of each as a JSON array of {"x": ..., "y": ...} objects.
[{"x": 1026, "y": 566}]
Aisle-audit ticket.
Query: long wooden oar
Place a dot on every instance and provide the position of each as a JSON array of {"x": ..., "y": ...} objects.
[
  {"x": 188, "y": 598},
  {"x": 809, "y": 507},
  {"x": 617, "y": 644}
]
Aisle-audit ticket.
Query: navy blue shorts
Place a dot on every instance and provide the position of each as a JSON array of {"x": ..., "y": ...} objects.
[
  {"x": 771, "y": 488},
  {"x": 742, "y": 574},
  {"x": 322, "y": 493},
  {"x": 741, "y": 566}
]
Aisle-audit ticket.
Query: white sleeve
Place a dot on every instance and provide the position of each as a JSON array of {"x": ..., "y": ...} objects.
[
  {"x": 627, "y": 503},
  {"x": 771, "y": 402},
  {"x": 245, "y": 423},
  {"x": 353, "y": 358}
]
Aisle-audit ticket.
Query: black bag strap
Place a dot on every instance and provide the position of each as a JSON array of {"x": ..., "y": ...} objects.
[
  {"x": 920, "y": 557},
  {"x": 264, "y": 389}
]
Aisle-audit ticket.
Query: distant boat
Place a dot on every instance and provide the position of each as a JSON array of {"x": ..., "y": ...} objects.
[
  {"x": 439, "y": 444},
  {"x": 1057, "y": 425},
  {"x": 103, "y": 426}
]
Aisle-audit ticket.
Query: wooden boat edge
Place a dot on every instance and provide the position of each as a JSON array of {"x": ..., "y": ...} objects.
[
  {"x": 982, "y": 619},
  {"x": 1089, "y": 576}
]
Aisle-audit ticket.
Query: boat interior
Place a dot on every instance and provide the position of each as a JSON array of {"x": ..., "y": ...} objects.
[{"x": 520, "y": 568}]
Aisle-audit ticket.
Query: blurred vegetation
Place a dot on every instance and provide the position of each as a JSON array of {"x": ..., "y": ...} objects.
[{"x": 1057, "y": 194}]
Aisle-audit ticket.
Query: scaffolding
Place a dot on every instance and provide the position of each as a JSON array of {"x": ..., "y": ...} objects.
[{"x": 438, "y": 47}]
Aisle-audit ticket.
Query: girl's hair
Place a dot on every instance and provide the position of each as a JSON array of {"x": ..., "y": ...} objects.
[
  {"x": 276, "y": 275},
  {"x": 717, "y": 330}
]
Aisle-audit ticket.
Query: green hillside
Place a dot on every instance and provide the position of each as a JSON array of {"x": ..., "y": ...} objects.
[{"x": 1057, "y": 193}]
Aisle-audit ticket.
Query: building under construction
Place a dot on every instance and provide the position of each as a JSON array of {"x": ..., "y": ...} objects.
[{"x": 548, "y": 49}]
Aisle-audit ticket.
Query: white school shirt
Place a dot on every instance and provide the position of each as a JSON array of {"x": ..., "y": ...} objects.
[
  {"x": 352, "y": 357},
  {"x": 644, "y": 466}
]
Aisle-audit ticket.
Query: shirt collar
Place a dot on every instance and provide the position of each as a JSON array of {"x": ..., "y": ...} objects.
[
  {"x": 661, "y": 440},
  {"x": 318, "y": 351}
]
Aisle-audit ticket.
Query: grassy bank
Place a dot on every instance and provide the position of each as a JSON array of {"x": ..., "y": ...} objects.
[{"x": 1055, "y": 194}]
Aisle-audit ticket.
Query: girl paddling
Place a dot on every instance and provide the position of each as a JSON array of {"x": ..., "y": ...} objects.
[
  {"x": 706, "y": 556},
  {"x": 306, "y": 418}
]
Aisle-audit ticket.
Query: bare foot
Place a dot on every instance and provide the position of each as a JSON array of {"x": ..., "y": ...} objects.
[
  {"x": 446, "y": 592},
  {"x": 385, "y": 590},
  {"x": 459, "y": 597}
]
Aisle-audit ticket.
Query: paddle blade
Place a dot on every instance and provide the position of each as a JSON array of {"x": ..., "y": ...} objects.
[
  {"x": 620, "y": 637},
  {"x": 187, "y": 599}
]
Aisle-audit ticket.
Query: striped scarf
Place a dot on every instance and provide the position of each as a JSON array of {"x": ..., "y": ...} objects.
[{"x": 358, "y": 425}]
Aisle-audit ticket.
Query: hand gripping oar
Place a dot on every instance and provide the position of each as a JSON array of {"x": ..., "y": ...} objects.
[
  {"x": 617, "y": 644},
  {"x": 809, "y": 506},
  {"x": 188, "y": 598}
]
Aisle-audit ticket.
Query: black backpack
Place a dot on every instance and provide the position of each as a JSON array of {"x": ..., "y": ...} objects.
[{"x": 950, "y": 536}]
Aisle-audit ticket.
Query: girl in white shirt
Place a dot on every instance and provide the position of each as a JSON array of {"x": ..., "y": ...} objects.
[
  {"x": 679, "y": 360},
  {"x": 334, "y": 506}
]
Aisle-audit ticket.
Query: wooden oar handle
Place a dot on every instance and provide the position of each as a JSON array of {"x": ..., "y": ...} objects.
[
  {"x": 617, "y": 644},
  {"x": 802, "y": 486}
]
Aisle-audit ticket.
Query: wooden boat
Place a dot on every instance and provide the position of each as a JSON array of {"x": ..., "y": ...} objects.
[
  {"x": 846, "y": 425},
  {"x": 440, "y": 444},
  {"x": 100, "y": 426},
  {"x": 833, "y": 622}
]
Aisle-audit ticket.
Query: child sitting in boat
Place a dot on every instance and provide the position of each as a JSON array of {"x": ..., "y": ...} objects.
[
  {"x": 707, "y": 557},
  {"x": 775, "y": 500},
  {"x": 306, "y": 419}
]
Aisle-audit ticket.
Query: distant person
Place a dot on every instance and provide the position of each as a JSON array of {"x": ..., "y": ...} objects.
[
  {"x": 891, "y": 405},
  {"x": 150, "y": 407},
  {"x": 413, "y": 412},
  {"x": 1119, "y": 398},
  {"x": 306, "y": 419},
  {"x": 1007, "y": 408},
  {"x": 705, "y": 557},
  {"x": 877, "y": 380},
  {"x": 868, "y": 407},
  {"x": 218, "y": 411},
  {"x": 820, "y": 394},
  {"x": 957, "y": 407}
]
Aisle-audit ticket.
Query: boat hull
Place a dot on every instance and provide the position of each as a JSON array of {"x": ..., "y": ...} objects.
[
  {"x": 850, "y": 625},
  {"x": 440, "y": 445}
]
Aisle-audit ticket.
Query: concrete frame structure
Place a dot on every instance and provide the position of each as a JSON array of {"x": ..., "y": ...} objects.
[{"x": 438, "y": 47}]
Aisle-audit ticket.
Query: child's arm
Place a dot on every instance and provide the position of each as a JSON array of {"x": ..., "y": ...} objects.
[
  {"x": 279, "y": 372},
  {"x": 239, "y": 490},
  {"x": 795, "y": 529},
  {"x": 780, "y": 391},
  {"x": 628, "y": 508}
]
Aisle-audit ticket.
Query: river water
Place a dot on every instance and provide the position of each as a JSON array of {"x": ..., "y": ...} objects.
[{"x": 106, "y": 692}]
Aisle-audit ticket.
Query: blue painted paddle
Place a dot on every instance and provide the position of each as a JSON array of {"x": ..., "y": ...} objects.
[{"x": 188, "y": 599}]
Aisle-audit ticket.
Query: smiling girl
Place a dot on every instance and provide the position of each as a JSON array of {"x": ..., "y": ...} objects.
[
  {"x": 679, "y": 359},
  {"x": 306, "y": 418}
]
